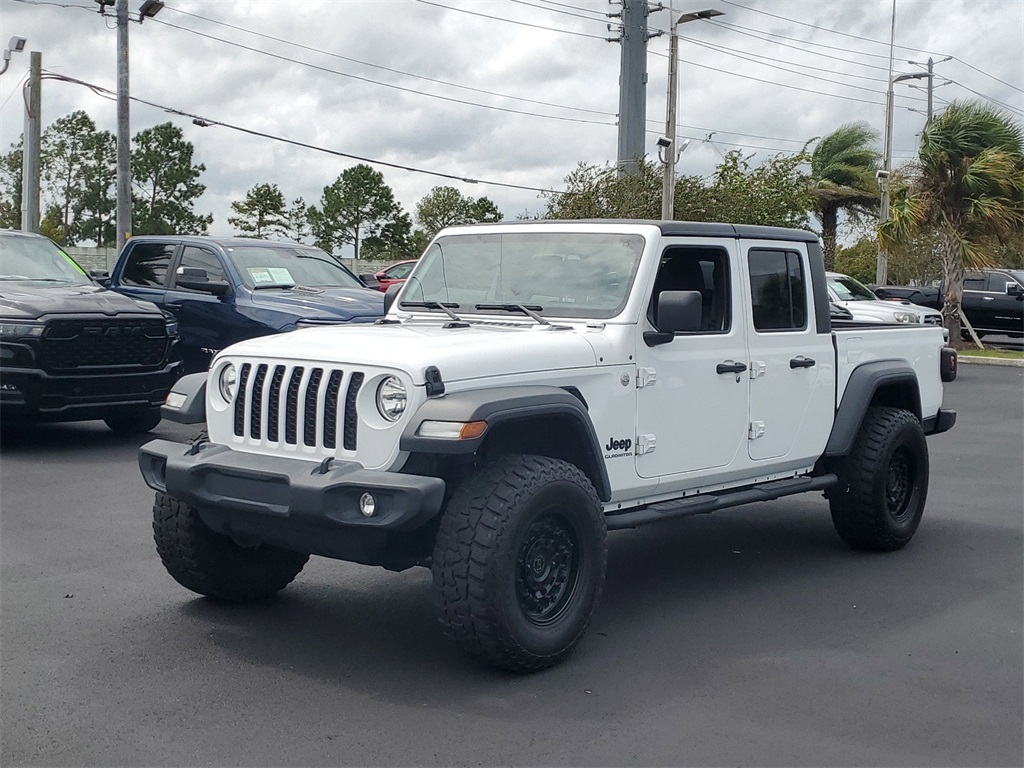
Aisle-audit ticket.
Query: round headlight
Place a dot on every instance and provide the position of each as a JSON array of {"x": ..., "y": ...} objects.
[
  {"x": 227, "y": 382},
  {"x": 391, "y": 398}
]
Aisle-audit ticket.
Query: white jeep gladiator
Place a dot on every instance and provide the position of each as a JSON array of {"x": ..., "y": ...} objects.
[{"x": 533, "y": 386}]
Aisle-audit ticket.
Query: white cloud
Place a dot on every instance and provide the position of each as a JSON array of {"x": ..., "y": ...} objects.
[{"x": 328, "y": 106}]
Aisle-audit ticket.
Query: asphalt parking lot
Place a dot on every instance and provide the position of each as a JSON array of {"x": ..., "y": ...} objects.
[{"x": 748, "y": 637}]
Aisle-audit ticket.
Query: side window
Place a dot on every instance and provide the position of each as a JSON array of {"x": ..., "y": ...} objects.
[
  {"x": 147, "y": 265},
  {"x": 697, "y": 269},
  {"x": 777, "y": 290},
  {"x": 200, "y": 258},
  {"x": 997, "y": 282},
  {"x": 974, "y": 282}
]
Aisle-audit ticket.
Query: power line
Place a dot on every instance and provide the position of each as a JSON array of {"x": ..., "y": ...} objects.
[
  {"x": 207, "y": 122},
  {"x": 566, "y": 13},
  {"x": 1017, "y": 110},
  {"x": 512, "y": 21},
  {"x": 755, "y": 33},
  {"x": 870, "y": 40},
  {"x": 386, "y": 69},
  {"x": 379, "y": 82}
]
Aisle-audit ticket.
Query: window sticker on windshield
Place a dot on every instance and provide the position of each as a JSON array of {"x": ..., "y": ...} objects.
[{"x": 275, "y": 275}]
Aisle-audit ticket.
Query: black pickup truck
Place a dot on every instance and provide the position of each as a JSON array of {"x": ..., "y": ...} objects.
[
  {"x": 993, "y": 299},
  {"x": 71, "y": 350}
]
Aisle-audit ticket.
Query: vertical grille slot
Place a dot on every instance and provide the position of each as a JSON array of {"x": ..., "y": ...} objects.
[
  {"x": 331, "y": 409},
  {"x": 256, "y": 413},
  {"x": 351, "y": 417},
  {"x": 309, "y": 411},
  {"x": 274, "y": 404},
  {"x": 243, "y": 382},
  {"x": 291, "y": 406}
]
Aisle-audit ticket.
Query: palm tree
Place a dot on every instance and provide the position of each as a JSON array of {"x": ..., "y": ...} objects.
[
  {"x": 970, "y": 189},
  {"x": 843, "y": 179}
]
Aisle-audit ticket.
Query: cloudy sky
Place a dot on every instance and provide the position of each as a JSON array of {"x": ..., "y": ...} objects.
[{"x": 505, "y": 92}]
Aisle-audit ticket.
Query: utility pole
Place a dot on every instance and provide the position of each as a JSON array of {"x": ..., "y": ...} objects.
[
  {"x": 124, "y": 154},
  {"x": 882, "y": 176},
  {"x": 632, "y": 85},
  {"x": 30, "y": 161},
  {"x": 931, "y": 83}
]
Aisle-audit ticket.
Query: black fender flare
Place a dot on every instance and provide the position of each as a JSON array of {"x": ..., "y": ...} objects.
[
  {"x": 191, "y": 410},
  {"x": 502, "y": 405},
  {"x": 864, "y": 382}
]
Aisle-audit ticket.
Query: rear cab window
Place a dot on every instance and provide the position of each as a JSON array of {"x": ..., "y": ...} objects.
[
  {"x": 147, "y": 265},
  {"x": 778, "y": 290}
]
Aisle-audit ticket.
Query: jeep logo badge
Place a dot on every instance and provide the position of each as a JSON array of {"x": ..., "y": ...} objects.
[{"x": 619, "y": 445}]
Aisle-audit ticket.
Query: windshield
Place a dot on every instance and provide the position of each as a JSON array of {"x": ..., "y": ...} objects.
[
  {"x": 848, "y": 289},
  {"x": 554, "y": 273},
  {"x": 287, "y": 265},
  {"x": 38, "y": 260}
]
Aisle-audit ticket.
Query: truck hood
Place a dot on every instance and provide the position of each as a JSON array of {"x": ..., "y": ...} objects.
[
  {"x": 325, "y": 303},
  {"x": 459, "y": 353},
  {"x": 883, "y": 310},
  {"x": 29, "y": 301}
]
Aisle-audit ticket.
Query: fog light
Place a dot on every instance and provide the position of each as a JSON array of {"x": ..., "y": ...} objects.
[{"x": 367, "y": 505}]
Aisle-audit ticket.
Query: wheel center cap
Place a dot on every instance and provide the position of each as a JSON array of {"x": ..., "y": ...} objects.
[{"x": 539, "y": 564}]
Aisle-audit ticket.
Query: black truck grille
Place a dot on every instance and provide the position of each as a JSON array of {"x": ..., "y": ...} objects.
[
  {"x": 70, "y": 344},
  {"x": 307, "y": 406}
]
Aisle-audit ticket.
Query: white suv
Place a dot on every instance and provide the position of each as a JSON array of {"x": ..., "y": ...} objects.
[{"x": 867, "y": 307}]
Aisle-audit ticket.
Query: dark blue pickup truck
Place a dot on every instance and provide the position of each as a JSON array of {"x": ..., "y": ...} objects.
[{"x": 226, "y": 290}]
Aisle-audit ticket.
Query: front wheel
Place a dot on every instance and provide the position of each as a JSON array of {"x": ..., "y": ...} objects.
[
  {"x": 519, "y": 562},
  {"x": 883, "y": 482},
  {"x": 206, "y": 562}
]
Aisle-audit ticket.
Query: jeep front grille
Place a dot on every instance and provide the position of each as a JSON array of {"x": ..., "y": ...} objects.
[{"x": 294, "y": 403}]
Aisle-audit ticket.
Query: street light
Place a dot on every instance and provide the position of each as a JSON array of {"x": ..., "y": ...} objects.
[
  {"x": 671, "y": 97},
  {"x": 17, "y": 45},
  {"x": 882, "y": 263}
]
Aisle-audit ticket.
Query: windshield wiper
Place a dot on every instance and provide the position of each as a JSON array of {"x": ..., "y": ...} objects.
[
  {"x": 34, "y": 279},
  {"x": 434, "y": 305},
  {"x": 531, "y": 310}
]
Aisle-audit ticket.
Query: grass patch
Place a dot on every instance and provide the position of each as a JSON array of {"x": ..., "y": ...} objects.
[{"x": 1003, "y": 354}]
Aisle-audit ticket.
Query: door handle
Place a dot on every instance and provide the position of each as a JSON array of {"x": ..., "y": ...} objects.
[
  {"x": 987, "y": 298},
  {"x": 801, "y": 362},
  {"x": 730, "y": 367}
]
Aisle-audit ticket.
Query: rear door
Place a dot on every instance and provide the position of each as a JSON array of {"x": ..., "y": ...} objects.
[
  {"x": 792, "y": 369},
  {"x": 143, "y": 275}
]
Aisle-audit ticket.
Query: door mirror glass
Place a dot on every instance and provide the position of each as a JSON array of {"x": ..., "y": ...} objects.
[{"x": 1015, "y": 289}]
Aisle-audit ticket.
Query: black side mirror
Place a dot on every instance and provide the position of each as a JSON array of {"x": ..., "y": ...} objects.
[
  {"x": 1015, "y": 289},
  {"x": 675, "y": 312},
  {"x": 198, "y": 279},
  {"x": 101, "y": 276},
  {"x": 369, "y": 280},
  {"x": 390, "y": 295}
]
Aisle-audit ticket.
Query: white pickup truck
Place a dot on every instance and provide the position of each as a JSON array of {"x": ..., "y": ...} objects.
[{"x": 533, "y": 386}]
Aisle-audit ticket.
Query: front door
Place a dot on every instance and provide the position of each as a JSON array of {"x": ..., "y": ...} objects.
[
  {"x": 792, "y": 390},
  {"x": 692, "y": 407},
  {"x": 206, "y": 323}
]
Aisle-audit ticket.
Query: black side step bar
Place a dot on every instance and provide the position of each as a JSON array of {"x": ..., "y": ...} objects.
[{"x": 708, "y": 502}]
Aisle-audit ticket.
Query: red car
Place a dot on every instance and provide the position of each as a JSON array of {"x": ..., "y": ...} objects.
[{"x": 395, "y": 274}]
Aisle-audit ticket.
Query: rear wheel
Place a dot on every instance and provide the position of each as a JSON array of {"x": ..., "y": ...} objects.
[
  {"x": 883, "y": 483},
  {"x": 214, "y": 565},
  {"x": 519, "y": 562}
]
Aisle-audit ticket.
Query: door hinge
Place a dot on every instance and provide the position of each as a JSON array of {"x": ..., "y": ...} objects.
[
  {"x": 646, "y": 377},
  {"x": 757, "y": 368},
  {"x": 756, "y": 430},
  {"x": 645, "y": 444}
]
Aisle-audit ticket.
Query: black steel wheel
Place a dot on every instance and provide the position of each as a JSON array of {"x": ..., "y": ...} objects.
[
  {"x": 883, "y": 483},
  {"x": 519, "y": 562}
]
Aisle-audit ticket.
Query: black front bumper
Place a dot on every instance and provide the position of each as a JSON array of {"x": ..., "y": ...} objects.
[
  {"x": 36, "y": 395},
  {"x": 293, "y": 503}
]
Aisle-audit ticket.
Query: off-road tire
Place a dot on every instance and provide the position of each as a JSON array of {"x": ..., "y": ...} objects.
[
  {"x": 134, "y": 422},
  {"x": 883, "y": 483},
  {"x": 519, "y": 562},
  {"x": 211, "y": 564}
]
